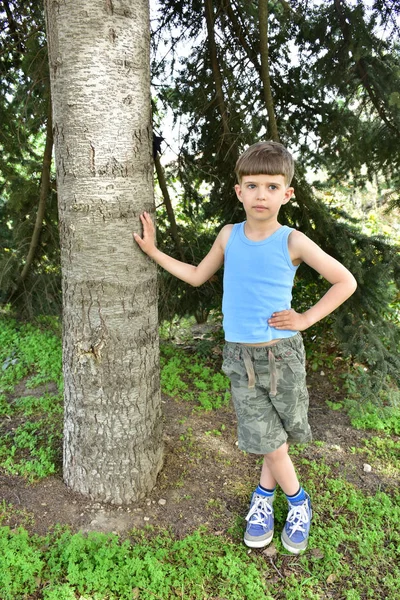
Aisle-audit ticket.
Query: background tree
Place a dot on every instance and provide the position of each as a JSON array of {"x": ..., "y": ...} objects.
[{"x": 100, "y": 81}]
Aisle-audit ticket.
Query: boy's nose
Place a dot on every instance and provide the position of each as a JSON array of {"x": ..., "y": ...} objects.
[{"x": 262, "y": 192}]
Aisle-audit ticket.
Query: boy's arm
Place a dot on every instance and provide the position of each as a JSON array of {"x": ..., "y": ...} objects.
[
  {"x": 302, "y": 249},
  {"x": 193, "y": 275}
]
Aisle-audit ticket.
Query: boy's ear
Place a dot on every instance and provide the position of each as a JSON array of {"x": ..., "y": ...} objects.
[
  {"x": 288, "y": 194},
  {"x": 238, "y": 191}
]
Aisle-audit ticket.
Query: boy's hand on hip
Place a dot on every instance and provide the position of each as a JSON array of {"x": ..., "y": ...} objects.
[
  {"x": 288, "y": 319},
  {"x": 147, "y": 242}
]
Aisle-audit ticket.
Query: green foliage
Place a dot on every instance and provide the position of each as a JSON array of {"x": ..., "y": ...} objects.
[
  {"x": 24, "y": 107},
  {"x": 372, "y": 416},
  {"x": 31, "y": 353},
  {"x": 383, "y": 453},
  {"x": 26, "y": 349},
  {"x": 101, "y": 566},
  {"x": 32, "y": 450},
  {"x": 192, "y": 378},
  {"x": 198, "y": 235},
  {"x": 21, "y": 564}
]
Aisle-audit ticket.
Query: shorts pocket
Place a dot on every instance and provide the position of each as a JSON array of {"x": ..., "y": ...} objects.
[{"x": 231, "y": 366}]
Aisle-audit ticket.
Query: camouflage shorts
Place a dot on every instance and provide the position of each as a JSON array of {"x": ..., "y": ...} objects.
[{"x": 269, "y": 393}]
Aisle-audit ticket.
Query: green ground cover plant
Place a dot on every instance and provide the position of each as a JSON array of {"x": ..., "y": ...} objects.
[
  {"x": 32, "y": 350},
  {"x": 31, "y": 431},
  {"x": 354, "y": 541},
  {"x": 193, "y": 378}
]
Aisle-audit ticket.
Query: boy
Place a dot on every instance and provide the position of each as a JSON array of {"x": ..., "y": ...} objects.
[{"x": 264, "y": 354}]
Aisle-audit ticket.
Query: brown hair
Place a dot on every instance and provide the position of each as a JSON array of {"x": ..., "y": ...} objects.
[{"x": 266, "y": 158}]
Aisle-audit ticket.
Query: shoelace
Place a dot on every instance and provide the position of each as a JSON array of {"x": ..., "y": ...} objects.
[
  {"x": 297, "y": 518},
  {"x": 258, "y": 510}
]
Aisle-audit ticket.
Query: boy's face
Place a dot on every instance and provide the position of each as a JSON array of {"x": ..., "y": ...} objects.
[{"x": 263, "y": 195}]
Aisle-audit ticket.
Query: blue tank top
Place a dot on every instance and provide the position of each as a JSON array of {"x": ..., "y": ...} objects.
[{"x": 258, "y": 280}]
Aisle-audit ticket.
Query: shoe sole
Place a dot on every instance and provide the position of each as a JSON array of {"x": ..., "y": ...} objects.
[
  {"x": 259, "y": 543},
  {"x": 292, "y": 549}
]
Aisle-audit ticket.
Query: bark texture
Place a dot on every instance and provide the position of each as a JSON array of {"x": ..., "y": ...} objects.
[{"x": 100, "y": 78}]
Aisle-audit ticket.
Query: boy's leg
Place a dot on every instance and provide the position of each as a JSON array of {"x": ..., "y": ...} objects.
[
  {"x": 291, "y": 403},
  {"x": 278, "y": 467}
]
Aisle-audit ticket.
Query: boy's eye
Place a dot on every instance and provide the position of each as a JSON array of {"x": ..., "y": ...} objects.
[
  {"x": 251, "y": 186},
  {"x": 273, "y": 187}
]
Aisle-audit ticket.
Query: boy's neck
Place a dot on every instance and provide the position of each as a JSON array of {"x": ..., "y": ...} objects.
[{"x": 257, "y": 231}]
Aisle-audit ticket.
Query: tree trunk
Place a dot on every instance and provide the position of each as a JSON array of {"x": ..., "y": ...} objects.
[{"x": 100, "y": 79}]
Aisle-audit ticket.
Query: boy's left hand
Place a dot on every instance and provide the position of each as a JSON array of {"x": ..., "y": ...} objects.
[{"x": 288, "y": 319}]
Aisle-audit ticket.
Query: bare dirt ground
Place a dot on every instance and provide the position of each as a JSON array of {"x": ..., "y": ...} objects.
[{"x": 205, "y": 480}]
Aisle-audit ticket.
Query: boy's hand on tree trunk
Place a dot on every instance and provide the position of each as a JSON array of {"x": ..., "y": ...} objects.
[{"x": 147, "y": 242}]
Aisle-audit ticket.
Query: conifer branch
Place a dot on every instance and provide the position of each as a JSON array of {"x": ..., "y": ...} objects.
[
  {"x": 44, "y": 192},
  {"x": 361, "y": 68},
  {"x": 290, "y": 10},
  {"x": 209, "y": 14},
  {"x": 265, "y": 70},
  {"x": 168, "y": 205},
  {"x": 13, "y": 27},
  {"x": 239, "y": 31}
]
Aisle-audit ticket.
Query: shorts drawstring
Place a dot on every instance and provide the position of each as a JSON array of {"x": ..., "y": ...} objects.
[
  {"x": 272, "y": 373},
  {"x": 248, "y": 363}
]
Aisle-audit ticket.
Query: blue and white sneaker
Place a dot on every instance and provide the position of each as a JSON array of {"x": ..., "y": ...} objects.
[
  {"x": 297, "y": 527},
  {"x": 260, "y": 521}
]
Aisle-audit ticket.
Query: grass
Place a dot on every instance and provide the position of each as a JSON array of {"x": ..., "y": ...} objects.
[{"x": 355, "y": 538}]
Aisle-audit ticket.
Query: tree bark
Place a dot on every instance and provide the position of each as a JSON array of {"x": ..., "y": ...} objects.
[
  {"x": 100, "y": 78},
  {"x": 44, "y": 192},
  {"x": 265, "y": 70}
]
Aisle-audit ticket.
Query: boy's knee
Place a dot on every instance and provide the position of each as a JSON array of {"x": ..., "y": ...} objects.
[{"x": 277, "y": 454}]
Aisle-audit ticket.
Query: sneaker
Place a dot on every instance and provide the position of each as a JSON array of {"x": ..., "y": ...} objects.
[
  {"x": 260, "y": 522},
  {"x": 297, "y": 527}
]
